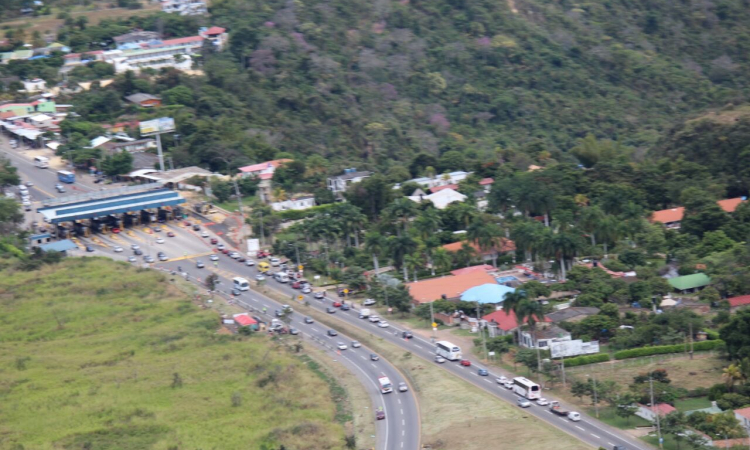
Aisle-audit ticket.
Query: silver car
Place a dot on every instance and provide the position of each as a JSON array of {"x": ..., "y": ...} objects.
[{"x": 523, "y": 403}]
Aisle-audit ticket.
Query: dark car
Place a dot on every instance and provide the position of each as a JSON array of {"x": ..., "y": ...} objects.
[
  {"x": 196, "y": 227},
  {"x": 137, "y": 251},
  {"x": 332, "y": 333},
  {"x": 374, "y": 357},
  {"x": 380, "y": 414},
  {"x": 214, "y": 241},
  {"x": 483, "y": 372},
  {"x": 91, "y": 249},
  {"x": 170, "y": 234},
  {"x": 98, "y": 180},
  {"x": 330, "y": 310},
  {"x": 407, "y": 335},
  {"x": 236, "y": 292},
  {"x": 345, "y": 307}
]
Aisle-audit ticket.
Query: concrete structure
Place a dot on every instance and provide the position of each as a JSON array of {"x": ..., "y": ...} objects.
[
  {"x": 135, "y": 37},
  {"x": 139, "y": 145},
  {"x": 268, "y": 167},
  {"x": 743, "y": 415},
  {"x": 72, "y": 60},
  {"x": 37, "y": 240},
  {"x": 153, "y": 58},
  {"x": 339, "y": 184},
  {"x": 63, "y": 246},
  {"x": 440, "y": 199},
  {"x": 25, "y": 109},
  {"x": 144, "y": 100},
  {"x": 184, "y": 7},
  {"x": 298, "y": 202},
  {"x": 35, "y": 85},
  {"x": 438, "y": 180}
]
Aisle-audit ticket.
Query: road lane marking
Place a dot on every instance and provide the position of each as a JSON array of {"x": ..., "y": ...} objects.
[
  {"x": 315, "y": 330},
  {"x": 595, "y": 436},
  {"x": 373, "y": 365},
  {"x": 580, "y": 428},
  {"x": 610, "y": 444},
  {"x": 399, "y": 400},
  {"x": 197, "y": 255}
]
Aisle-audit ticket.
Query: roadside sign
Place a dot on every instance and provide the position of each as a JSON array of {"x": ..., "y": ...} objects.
[
  {"x": 390, "y": 310},
  {"x": 434, "y": 325},
  {"x": 434, "y": 329},
  {"x": 301, "y": 297},
  {"x": 346, "y": 291},
  {"x": 491, "y": 353},
  {"x": 300, "y": 267}
]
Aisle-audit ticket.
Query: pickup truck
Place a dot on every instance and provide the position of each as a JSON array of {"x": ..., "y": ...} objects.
[{"x": 555, "y": 407}]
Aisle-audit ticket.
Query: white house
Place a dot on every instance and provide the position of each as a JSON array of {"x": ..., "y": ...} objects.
[
  {"x": 438, "y": 180},
  {"x": 41, "y": 120},
  {"x": 440, "y": 199},
  {"x": 300, "y": 202},
  {"x": 339, "y": 184},
  {"x": 184, "y": 7},
  {"x": 35, "y": 85},
  {"x": 545, "y": 334},
  {"x": 649, "y": 412}
]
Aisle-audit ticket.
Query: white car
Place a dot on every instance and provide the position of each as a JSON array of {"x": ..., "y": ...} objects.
[
  {"x": 574, "y": 416},
  {"x": 501, "y": 380},
  {"x": 369, "y": 302},
  {"x": 117, "y": 249},
  {"x": 204, "y": 234},
  {"x": 542, "y": 402},
  {"x": 249, "y": 262},
  {"x": 135, "y": 247},
  {"x": 383, "y": 324},
  {"x": 402, "y": 387},
  {"x": 374, "y": 319},
  {"x": 439, "y": 359},
  {"x": 159, "y": 240},
  {"x": 341, "y": 346},
  {"x": 234, "y": 255},
  {"x": 356, "y": 344},
  {"x": 523, "y": 403},
  {"x": 508, "y": 385},
  {"x": 275, "y": 262}
]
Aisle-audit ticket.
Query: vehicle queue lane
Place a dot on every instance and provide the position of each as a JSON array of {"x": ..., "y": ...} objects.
[
  {"x": 588, "y": 430},
  {"x": 401, "y": 427}
]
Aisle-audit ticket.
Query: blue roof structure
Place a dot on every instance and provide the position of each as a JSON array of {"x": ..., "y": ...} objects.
[
  {"x": 59, "y": 246},
  {"x": 487, "y": 293},
  {"x": 90, "y": 209}
]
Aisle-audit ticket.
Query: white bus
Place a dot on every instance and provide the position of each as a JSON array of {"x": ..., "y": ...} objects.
[
  {"x": 41, "y": 161},
  {"x": 385, "y": 385},
  {"x": 241, "y": 284},
  {"x": 448, "y": 351},
  {"x": 526, "y": 388}
]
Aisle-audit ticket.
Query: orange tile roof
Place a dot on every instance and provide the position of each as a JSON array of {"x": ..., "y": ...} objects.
[
  {"x": 742, "y": 300},
  {"x": 744, "y": 412},
  {"x": 506, "y": 246},
  {"x": 675, "y": 214},
  {"x": 440, "y": 188},
  {"x": 484, "y": 267},
  {"x": 451, "y": 286}
]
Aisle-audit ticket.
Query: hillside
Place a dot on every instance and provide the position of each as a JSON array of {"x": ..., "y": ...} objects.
[{"x": 98, "y": 355}]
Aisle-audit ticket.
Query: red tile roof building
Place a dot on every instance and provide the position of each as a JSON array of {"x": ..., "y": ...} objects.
[
  {"x": 505, "y": 321},
  {"x": 265, "y": 167},
  {"x": 742, "y": 300},
  {"x": 674, "y": 216},
  {"x": 506, "y": 245},
  {"x": 451, "y": 286}
]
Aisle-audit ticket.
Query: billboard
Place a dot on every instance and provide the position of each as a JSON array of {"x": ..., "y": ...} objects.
[
  {"x": 155, "y": 126},
  {"x": 575, "y": 347}
]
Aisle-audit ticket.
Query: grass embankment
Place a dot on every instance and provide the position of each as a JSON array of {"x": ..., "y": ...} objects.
[
  {"x": 96, "y": 354},
  {"x": 456, "y": 414}
]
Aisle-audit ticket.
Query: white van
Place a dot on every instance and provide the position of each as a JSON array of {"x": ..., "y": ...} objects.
[
  {"x": 276, "y": 262},
  {"x": 281, "y": 277},
  {"x": 241, "y": 284}
]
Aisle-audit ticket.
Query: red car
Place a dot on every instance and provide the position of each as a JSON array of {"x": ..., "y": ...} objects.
[
  {"x": 296, "y": 285},
  {"x": 214, "y": 241},
  {"x": 186, "y": 223},
  {"x": 263, "y": 254},
  {"x": 465, "y": 362},
  {"x": 225, "y": 251},
  {"x": 115, "y": 230},
  {"x": 380, "y": 414},
  {"x": 170, "y": 234},
  {"x": 337, "y": 304}
]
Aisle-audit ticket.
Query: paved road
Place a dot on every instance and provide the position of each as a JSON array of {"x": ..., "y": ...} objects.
[{"x": 401, "y": 427}]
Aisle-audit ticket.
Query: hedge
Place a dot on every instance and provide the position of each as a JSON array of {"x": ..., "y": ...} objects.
[
  {"x": 586, "y": 359},
  {"x": 664, "y": 349},
  {"x": 298, "y": 214}
]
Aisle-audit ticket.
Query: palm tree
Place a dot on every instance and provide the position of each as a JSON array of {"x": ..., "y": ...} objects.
[
  {"x": 511, "y": 302},
  {"x": 428, "y": 247},
  {"x": 427, "y": 223},
  {"x": 486, "y": 235},
  {"x": 400, "y": 212},
  {"x": 464, "y": 213},
  {"x": 413, "y": 262},
  {"x": 442, "y": 259},
  {"x": 375, "y": 243},
  {"x": 608, "y": 230},
  {"x": 590, "y": 221},
  {"x": 400, "y": 246},
  {"x": 522, "y": 234},
  {"x": 531, "y": 312},
  {"x": 731, "y": 374},
  {"x": 279, "y": 194},
  {"x": 564, "y": 246}
]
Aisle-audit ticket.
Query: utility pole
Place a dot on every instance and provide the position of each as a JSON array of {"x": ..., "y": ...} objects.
[
  {"x": 239, "y": 204},
  {"x": 261, "y": 226},
  {"x": 596, "y": 398},
  {"x": 479, "y": 325},
  {"x": 432, "y": 320},
  {"x": 653, "y": 406}
]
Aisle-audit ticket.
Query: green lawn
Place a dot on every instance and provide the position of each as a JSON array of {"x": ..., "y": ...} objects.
[
  {"x": 689, "y": 404},
  {"x": 96, "y": 354}
]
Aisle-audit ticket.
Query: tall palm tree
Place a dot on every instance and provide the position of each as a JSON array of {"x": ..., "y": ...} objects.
[
  {"x": 375, "y": 244},
  {"x": 564, "y": 246},
  {"x": 522, "y": 234},
  {"x": 464, "y": 213},
  {"x": 609, "y": 230},
  {"x": 590, "y": 221},
  {"x": 511, "y": 302},
  {"x": 466, "y": 254},
  {"x": 427, "y": 223},
  {"x": 400, "y": 212},
  {"x": 731, "y": 374},
  {"x": 400, "y": 246},
  {"x": 531, "y": 312},
  {"x": 487, "y": 237},
  {"x": 442, "y": 259},
  {"x": 414, "y": 261}
]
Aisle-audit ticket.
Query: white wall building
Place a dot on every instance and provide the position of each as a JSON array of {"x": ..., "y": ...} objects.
[
  {"x": 35, "y": 85},
  {"x": 295, "y": 203},
  {"x": 184, "y": 7},
  {"x": 438, "y": 180},
  {"x": 440, "y": 199},
  {"x": 339, "y": 184}
]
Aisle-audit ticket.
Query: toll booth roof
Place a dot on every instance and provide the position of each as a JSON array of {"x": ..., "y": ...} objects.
[
  {"x": 118, "y": 204},
  {"x": 59, "y": 246}
]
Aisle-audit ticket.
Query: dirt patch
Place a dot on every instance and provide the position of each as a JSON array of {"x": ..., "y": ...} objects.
[{"x": 728, "y": 117}]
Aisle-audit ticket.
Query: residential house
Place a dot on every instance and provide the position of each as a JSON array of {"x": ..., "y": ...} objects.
[
  {"x": 244, "y": 320},
  {"x": 544, "y": 334},
  {"x": 649, "y": 412},
  {"x": 216, "y": 35},
  {"x": 42, "y": 121},
  {"x": 98, "y": 141},
  {"x": 487, "y": 294},
  {"x": 34, "y": 85},
  {"x": 735, "y": 444},
  {"x": 121, "y": 127},
  {"x": 173, "y": 54},
  {"x": 689, "y": 283},
  {"x": 36, "y": 240},
  {"x": 505, "y": 245},
  {"x": 501, "y": 323},
  {"x": 339, "y": 184},
  {"x": 440, "y": 199},
  {"x": 736, "y": 303},
  {"x": 449, "y": 287},
  {"x": 451, "y": 178},
  {"x": 135, "y": 37},
  {"x": 268, "y": 167},
  {"x": 743, "y": 415},
  {"x": 25, "y": 109},
  {"x": 297, "y": 202},
  {"x": 184, "y": 7},
  {"x": 671, "y": 218},
  {"x": 144, "y": 100},
  {"x": 134, "y": 146},
  {"x": 72, "y": 60}
]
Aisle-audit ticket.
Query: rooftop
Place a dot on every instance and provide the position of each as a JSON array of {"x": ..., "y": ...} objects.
[
  {"x": 140, "y": 97},
  {"x": 744, "y": 412},
  {"x": 215, "y": 30},
  {"x": 506, "y": 321},
  {"x": 742, "y": 300},
  {"x": 506, "y": 245},
  {"x": 675, "y": 214},
  {"x": 452, "y": 286},
  {"x": 352, "y": 175},
  {"x": 440, "y": 188},
  {"x": 264, "y": 165},
  {"x": 59, "y": 246},
  {"x": 661, "y": 409},
  {"x": 686, "y": 282},
  {"x": 567, "y": 314}
]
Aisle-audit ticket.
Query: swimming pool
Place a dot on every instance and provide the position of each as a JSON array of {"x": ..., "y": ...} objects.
[{"x": 508, "y": 279}]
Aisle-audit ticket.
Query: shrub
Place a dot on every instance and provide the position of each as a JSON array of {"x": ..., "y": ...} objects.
[
  {"x": 294, "y": 214},
  {"x": 665, "y": 349},
  {"x": 586, "y": 359}
]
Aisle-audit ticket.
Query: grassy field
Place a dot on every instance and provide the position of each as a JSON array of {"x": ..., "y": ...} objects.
[
  {"x": 99, "y": 355},
  {"x": 455, "y": 414}
]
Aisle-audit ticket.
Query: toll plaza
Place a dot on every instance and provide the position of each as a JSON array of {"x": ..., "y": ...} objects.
[{"x": 99, "y": 212}]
